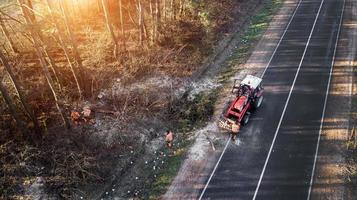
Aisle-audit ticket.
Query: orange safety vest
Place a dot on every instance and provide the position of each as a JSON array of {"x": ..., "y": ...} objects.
[
  {"x": 235, "y": 128},
  {"x": 169, "y": 137}
]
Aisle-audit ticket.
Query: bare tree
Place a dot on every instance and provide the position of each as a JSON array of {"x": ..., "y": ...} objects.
[
  {"x": 48, "y": 58},
  {"x": 7, "y": 35},
  {"x": 173, "y": 9},
  {"x": 11, "y": 107},
  {"x": 31, "y": 14},
  {"x": 35, "y": 35},
  {"x": 164, "y": 8},
  {"x": 61, "y": 36},
  {"x": 110, "y": 27},
  {"x": 182, "y": 8},
  {"x": 122, "y": 23},
  {"x": 152, "y": 15},
  {"x": 157, "y": 19},
  {"x": 74, "y": 45},
  {"x": 20, "y": 93},
  {"x": 141, "y": 23}
]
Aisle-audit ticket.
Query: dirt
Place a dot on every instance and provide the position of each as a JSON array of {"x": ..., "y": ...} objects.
[{"x": 209, "y": 141}]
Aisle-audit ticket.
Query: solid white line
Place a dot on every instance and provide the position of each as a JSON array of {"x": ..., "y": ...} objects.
[
  {"x": 266, "y": 67},
  {"x": 281, "y": 38},
  {"x": 287, "y": 102},
  {"x": 214, "y": 170},
  {"x": 326, "y": 97}
]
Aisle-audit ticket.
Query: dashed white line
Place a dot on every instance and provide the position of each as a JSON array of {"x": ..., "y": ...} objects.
[
  {"x": 287, "y": 102},
  {"x": 266, "y": 67},
  {"x": 324, "y": 108}
]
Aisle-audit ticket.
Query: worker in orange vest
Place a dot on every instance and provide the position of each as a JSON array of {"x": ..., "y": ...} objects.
[
  {"x": 235, "y": 130},
  {"x": 169, "y": 138}
]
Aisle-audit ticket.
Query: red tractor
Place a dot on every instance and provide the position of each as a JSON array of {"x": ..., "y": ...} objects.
[{"x": 249, "y": 96}]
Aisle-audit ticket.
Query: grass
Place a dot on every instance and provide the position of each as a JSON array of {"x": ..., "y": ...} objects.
[
  {"x": 198, "y": 111},
  {"x": 167, "y": 174},
  {"x": 194, "y": 114},
  {"x": 251, "y": 36}
]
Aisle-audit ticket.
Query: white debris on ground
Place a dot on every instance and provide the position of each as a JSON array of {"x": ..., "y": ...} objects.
[
  {"x": 205, "y": 138},
  {"x": 237, "y": 142},
  {"x": 201, "y": 86},
  {"x": 37, "y": 189},
  {"x": 155, "y": 83}
]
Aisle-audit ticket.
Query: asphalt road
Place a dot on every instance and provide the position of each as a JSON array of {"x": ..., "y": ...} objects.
[{"x": 266, "y": 167}]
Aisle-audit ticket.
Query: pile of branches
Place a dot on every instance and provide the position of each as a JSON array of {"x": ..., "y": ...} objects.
[{"x": 64, "y": 164}]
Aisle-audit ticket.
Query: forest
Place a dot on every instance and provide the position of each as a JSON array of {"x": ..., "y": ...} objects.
[{"x": 86, "y": 85}]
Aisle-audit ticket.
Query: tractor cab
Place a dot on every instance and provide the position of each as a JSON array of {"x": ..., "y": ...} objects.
[{"x": 247, "y": 86}]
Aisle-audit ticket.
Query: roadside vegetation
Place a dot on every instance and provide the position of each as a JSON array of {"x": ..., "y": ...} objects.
[
  {"x": 351, "y": 145},
  {"x": 352, "y": 159},
  {"x": 88, "y": 88}
]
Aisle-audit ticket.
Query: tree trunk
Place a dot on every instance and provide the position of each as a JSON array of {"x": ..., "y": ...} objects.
[
  {"x": 12, "y": 108},
  {"x": 99, "y": 6},
  {"x": 31, "y": 16},
  {"x": 157, "y": 18},
  {"x": 141, "y": 23},
  {"x": 164, "y": 9},
  {"x": 173, "y": 11},
  {"x": 72, "y": 40},
  {"x": 7, "y": 36},
  {"x": 65, "y": 49},
  {"x": 110, "y": 27},
  {"x": 182, "y": 6},
  {"x": 20, "y": 93},
  {"x": 34, "y": 34},
  {"x": 158, "y": 10},
  {"x": 122, "y": 23},
  {"x": 53, "y": 66},
  {"x": 151, "y": 9},
  {"x": 79, "y": 7},
  {"x": 153, "y": 23}
]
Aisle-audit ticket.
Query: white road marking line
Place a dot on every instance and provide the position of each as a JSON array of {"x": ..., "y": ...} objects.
[
  {"x": 287, "y": 102},
  {"x": 326, "y": 97},
  {"x": 214, "y": 170},
  {"x": 281, "y": 38},
  {"x": 266, "y": 67}
]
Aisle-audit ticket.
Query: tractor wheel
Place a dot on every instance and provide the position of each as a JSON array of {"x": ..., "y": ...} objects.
[
  {"x": 245, "y": 119},
  {"x": 258, "y": 102}
]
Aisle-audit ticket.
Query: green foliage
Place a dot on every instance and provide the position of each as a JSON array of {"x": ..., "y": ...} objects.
[
  {"x": 252, "y": 35},
  {"x": 204, "y": 19},
  {"x": 198, "y": 110},
  {"x": 168, "y": 173}
]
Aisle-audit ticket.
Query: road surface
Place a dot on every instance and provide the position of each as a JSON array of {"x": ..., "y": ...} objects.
[{"x": 276, "y": 155}]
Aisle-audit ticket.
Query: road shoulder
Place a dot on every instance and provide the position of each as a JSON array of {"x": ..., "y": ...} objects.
[{"x": 329, "y": 182}]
